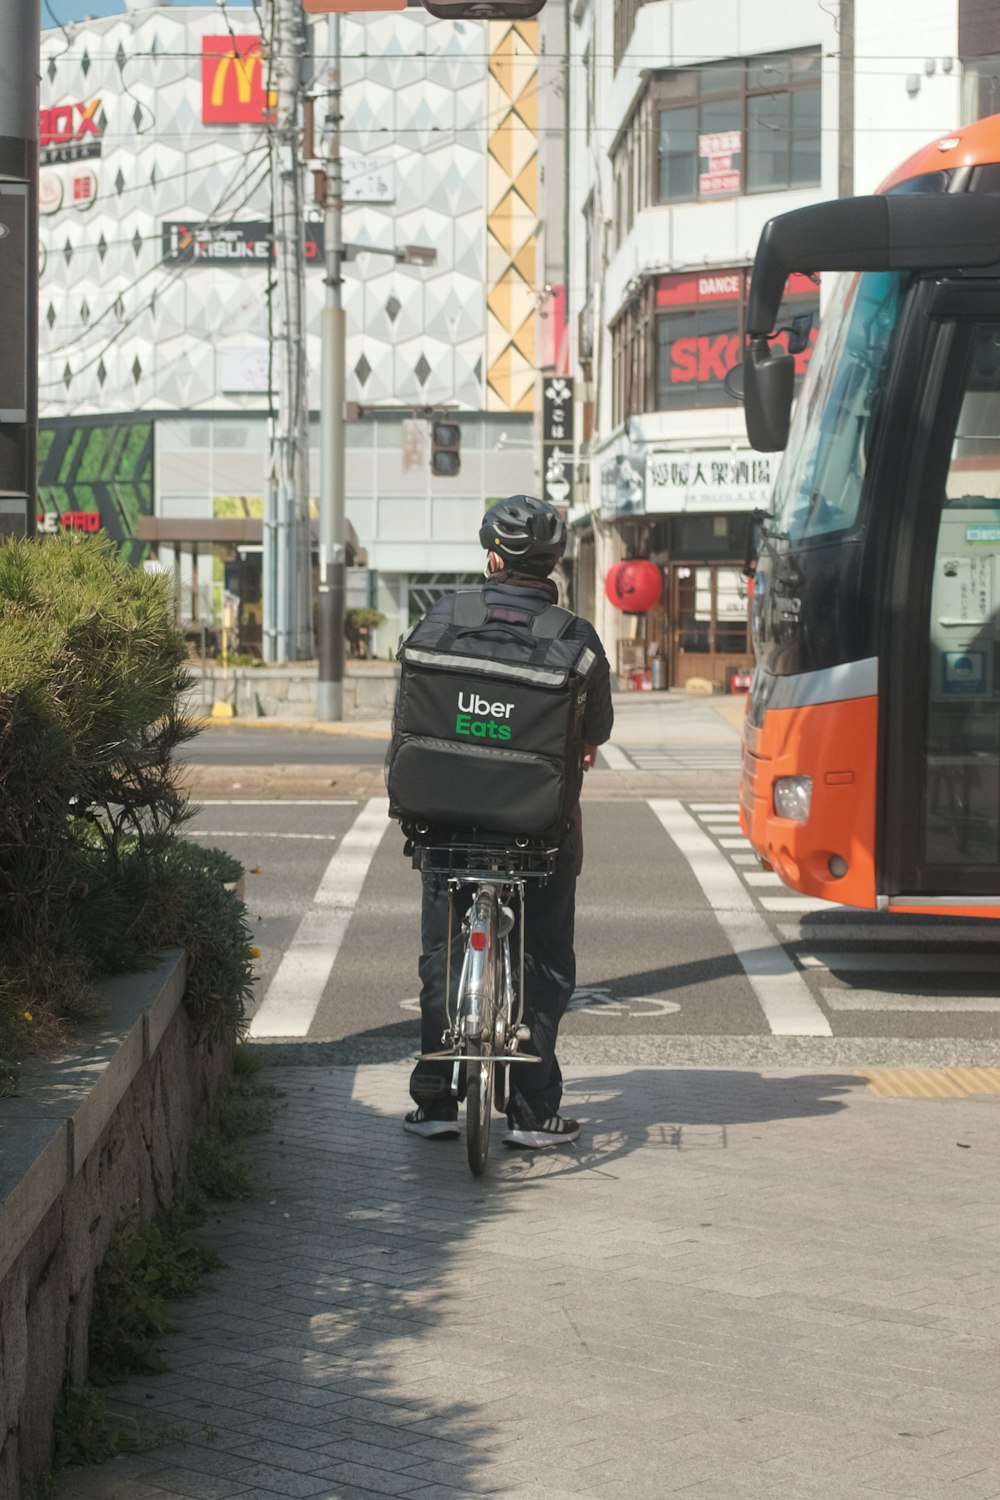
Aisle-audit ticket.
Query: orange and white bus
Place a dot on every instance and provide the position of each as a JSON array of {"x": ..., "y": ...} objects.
[{"x": 871, "y": 752}]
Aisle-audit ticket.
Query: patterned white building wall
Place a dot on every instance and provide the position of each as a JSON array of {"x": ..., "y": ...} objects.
[{"x": 122, "y": 328}]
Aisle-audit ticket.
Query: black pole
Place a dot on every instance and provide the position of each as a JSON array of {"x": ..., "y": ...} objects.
[{"x": 20, "y": 38}]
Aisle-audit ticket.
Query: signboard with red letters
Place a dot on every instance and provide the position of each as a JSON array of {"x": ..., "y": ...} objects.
[
  {"x": 70, "y": 132},
  {"x": 714, "y": 343},
  {"x": 70, "y": 520},
  {"x": 719, "y": 163}
]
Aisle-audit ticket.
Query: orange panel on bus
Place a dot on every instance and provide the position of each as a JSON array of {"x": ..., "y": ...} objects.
[{"x": 837, "y": 745}]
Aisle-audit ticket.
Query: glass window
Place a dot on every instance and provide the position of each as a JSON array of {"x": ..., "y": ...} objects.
[
  {"x": 770, "y": 72},
  {"x": 768, "y": 138},
  {"x": 822, "y": 474},
  {"x": 678, "y": 154},
  {"x": 694, "y": 350},
  {"x": 980, "y": 88},
  {"x": 722, "y": 78},
  {"x": 806, "y": 140},
  {"x": 962, "y": 797},
  {"x": 753, "y": 126}
]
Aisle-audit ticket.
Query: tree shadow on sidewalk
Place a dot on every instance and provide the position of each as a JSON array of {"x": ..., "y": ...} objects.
[{"x": 363, "y": 1338}]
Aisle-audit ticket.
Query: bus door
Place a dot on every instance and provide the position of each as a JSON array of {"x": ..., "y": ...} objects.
[{"x": 939, "y": 792}]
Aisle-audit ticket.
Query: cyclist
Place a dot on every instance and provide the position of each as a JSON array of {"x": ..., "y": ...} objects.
[{"x": 524, "y": 539}]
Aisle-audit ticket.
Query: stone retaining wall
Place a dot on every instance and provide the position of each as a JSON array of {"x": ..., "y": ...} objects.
[
  {"x": 91, "y": 1137},
  {"x": 290, "y": 692}
]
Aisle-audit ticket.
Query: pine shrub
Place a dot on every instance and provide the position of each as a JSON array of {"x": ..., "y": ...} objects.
[{"x": 94, "y": 875}]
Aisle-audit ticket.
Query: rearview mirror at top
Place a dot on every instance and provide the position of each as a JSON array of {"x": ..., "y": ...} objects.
[
  {"x": 483, "y": 10},
  {"x": 912, "y": 232}
]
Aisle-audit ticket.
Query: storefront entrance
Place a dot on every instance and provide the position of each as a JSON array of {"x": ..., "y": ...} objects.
[{"x": 708, "y": 623}]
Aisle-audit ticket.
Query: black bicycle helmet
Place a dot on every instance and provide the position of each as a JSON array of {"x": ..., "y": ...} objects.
[{"x": 527, "y": 533}]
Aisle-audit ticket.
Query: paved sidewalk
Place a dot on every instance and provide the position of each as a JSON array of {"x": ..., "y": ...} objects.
[{"x": 738, "y": 1285}]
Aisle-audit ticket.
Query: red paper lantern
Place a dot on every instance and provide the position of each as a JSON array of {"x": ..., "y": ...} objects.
[{"x": 634, "y": 586}]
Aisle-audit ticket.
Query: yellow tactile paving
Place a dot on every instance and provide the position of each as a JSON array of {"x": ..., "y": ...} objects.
[{"x": 931, "y": 1083}]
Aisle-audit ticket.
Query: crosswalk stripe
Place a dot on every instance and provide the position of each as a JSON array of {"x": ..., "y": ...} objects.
[
  {"x": 762, "y": 878},
  {"x": 615, "y": 758},
  {"x": 880, "y": 1000},
  {"x": 784, "y": 997},
  {"x": 800, "y": 903},
  {"x": 295, "y": 992},
  {"x": 882, "y": 930},
  {"x": 859, "y": 962}
]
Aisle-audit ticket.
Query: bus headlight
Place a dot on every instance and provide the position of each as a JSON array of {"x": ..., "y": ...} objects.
[{"x": 793, "y": 797}]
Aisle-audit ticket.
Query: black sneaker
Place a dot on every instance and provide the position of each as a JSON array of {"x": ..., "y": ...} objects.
[
  {"x": 433, "y": 1121},
  {"x": 536, "y": 1135}
]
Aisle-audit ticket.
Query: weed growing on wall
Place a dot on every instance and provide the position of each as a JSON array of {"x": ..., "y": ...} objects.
[{"x": 150, "y": 1265}]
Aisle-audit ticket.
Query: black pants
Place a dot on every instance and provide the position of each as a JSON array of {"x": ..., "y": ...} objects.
[{"x": 535, "y": 1089}]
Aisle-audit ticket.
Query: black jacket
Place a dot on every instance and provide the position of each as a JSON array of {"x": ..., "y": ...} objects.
[{"x": 535, "y": 594}]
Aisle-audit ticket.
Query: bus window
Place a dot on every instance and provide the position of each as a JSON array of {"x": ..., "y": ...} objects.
[
  {"x": 962, "y": 824},
  {"x": 821, "y": 476}
]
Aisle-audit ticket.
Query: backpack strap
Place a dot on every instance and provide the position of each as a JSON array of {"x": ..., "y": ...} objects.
[
  {"x": 468, "y": 610},
  {"x": 551, "y": 623}
]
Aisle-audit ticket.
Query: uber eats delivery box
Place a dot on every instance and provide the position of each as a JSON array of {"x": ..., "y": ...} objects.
[{"x": 488, "y": 728}]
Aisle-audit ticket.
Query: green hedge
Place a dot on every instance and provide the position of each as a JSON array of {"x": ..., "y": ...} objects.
[{"x": 94, "y": 875}]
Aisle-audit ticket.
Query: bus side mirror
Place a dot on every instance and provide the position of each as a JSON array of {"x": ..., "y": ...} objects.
[
  {"x": 768, "y": 385},
  {"x": 482, "y": 10}
]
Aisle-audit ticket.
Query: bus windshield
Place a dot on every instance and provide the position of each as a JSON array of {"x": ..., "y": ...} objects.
[{"x": 819, "y": 484}]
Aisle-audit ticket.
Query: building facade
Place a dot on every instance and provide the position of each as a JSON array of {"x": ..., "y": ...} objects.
[
  {"x": 157, "y": 291},
  {"x": 691, "y": 126}
]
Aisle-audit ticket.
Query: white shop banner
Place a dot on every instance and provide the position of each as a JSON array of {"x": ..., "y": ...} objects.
[{"x": 724, "y": 479}]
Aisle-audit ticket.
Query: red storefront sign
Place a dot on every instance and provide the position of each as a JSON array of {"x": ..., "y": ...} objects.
[
  {"x": 70, "y": 520},
  {"x": 704, "y": 357},
  {"x": 69, "y": 132},
  {"x": 233, "y": 82},
  {"x": 692, "y": 289}
]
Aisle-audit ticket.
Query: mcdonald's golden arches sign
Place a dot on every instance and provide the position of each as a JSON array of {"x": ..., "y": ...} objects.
[{"x": 233, "y": 81}]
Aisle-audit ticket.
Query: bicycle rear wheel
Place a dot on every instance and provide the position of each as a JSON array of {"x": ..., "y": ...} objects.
[{"x": 478, "y": 1104}]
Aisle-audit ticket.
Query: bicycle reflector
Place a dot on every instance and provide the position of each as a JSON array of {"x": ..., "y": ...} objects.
[{"x": 478, "y": 941}]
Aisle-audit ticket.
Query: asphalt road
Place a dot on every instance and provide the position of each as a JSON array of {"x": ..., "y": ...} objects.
[
  {"x": 269, "y": 747},
  {"x": 685, "y": 949}
]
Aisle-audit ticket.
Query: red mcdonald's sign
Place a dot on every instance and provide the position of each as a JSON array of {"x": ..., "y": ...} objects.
[{"x": 233, "y": 82}]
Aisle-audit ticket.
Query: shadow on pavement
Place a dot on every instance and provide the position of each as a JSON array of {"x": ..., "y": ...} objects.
[{"x": 358, "y": 1340}]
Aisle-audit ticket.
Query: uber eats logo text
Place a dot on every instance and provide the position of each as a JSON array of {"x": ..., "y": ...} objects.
[{"x": 482, "y": 728}]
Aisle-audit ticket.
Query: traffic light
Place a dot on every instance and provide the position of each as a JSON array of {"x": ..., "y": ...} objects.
[{"x": 446, "y": 438}]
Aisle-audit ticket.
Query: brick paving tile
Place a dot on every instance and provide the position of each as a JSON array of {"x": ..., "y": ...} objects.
[
  {"x": 741, "y": 1285},
  {"x": 77, "y": 1486}
]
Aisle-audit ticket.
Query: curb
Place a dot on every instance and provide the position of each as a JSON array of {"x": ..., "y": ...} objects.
[{"x": 296, "y": 726}]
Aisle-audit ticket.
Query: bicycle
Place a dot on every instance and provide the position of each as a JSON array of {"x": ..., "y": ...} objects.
[{"x": 486, "y": 1029}]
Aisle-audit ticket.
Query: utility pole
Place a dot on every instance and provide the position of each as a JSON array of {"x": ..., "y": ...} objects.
[
  {"x": 845, "y": 98},
  {"x": 19, "y": 75},
  {"x": 332, "y": 523},
  {"x": 290, "y": 529}
]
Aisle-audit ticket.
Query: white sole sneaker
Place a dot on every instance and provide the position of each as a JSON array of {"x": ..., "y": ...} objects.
[{"x": 539, "y": 1140}]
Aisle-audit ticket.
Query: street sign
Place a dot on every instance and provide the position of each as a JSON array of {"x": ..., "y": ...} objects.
[{"x": 557, "y": 441}]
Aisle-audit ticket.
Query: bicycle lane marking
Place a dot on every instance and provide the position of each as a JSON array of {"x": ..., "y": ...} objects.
[
  {"x": 783, "y": 995},
  {"x": 295, "y": 992}
]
